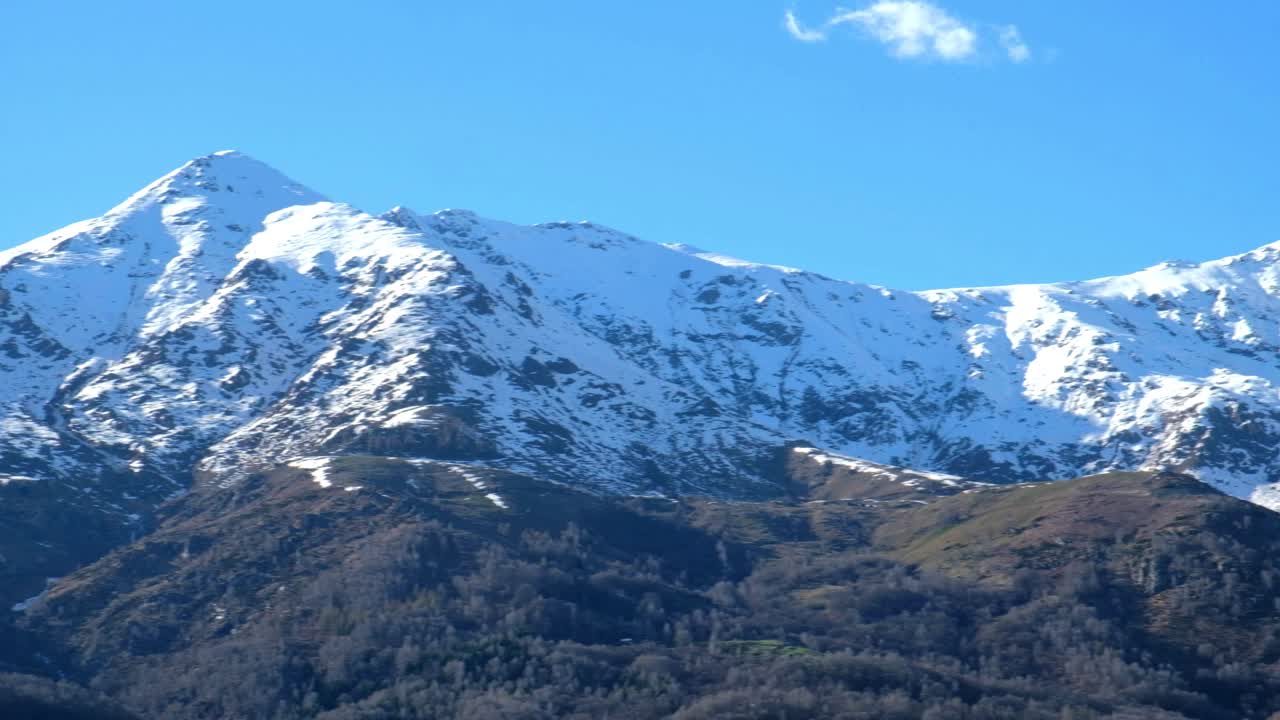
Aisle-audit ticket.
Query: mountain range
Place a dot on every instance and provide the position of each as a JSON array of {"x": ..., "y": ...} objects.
[
  {"x": 226, "y": 318},
  {"x": 230, "y": 388}
]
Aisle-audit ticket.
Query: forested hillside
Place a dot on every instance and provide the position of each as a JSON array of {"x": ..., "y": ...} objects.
[{"x": 420, "y": 596}]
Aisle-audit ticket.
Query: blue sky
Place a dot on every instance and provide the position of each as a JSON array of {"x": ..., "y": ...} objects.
[{"x": 867, "y": 145}]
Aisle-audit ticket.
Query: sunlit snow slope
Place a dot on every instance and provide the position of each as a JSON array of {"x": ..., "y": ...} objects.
[{"x": 225, "y": 319}]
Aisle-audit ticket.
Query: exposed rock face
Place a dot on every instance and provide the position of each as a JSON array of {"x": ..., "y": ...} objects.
[{"x": 225, "y": 319}]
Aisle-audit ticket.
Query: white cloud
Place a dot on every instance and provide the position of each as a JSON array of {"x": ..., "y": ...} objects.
[
  {"x": 1013, "y": 44},
  {"x": 800, "y": 32},
  {"x": 914, "y": 29}
]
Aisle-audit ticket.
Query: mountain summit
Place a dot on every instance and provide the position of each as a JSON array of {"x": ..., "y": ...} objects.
[{"x": 225, "y": 321}]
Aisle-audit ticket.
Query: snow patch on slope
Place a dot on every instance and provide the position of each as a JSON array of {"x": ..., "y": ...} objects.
[
  {"x": 319, "y": 467},
  {"x": 879, "y": 472},
  {"x": 27, "y": 604}
]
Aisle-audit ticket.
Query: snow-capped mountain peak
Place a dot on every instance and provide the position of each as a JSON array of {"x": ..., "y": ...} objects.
[
  {"x": 244, "y": 180},
  {"x": 150, "y": 259},
  {"x": 226, "y": 318}
]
